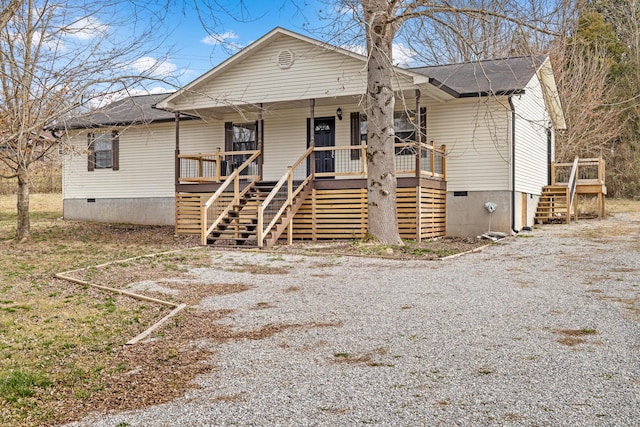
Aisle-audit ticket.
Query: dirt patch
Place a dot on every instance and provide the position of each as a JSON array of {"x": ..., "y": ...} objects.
[
  {"x": 431, "y": 249},
  {"x": 572, "y": 337},
  {"x": 162, "y": 368}
]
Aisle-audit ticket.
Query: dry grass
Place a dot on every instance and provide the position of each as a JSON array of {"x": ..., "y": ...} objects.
[
  {"x": 61, "y": 343},
  {"x": 622, "y": 206},
  {"x": 62, "y": 346}
]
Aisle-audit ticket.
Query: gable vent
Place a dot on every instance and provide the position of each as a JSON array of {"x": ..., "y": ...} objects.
[{"x": 285, "y": 59}]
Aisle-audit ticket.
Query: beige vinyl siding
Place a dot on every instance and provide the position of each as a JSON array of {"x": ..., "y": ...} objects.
[
  {"x": 146, "y": 162},
  {"x": 285, "y": 134},
  {"x": 476, "y": 133},
  {"x": 532, "y": 120},
  {"x": 200, "y": 136},
  {"x": 317, "y": 72}
]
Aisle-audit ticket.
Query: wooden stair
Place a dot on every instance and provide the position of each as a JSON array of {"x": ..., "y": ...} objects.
[
  {"x": 239, "y": 227},
  {"x": 554, "y": 205},
  {"x": 286, "y": 218}
]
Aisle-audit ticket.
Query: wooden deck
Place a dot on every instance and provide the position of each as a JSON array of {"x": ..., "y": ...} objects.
[
  {"x": 245, "y": 210},
  {"x": 561, "y": 200},
  {"x": 339, "y": 210}
]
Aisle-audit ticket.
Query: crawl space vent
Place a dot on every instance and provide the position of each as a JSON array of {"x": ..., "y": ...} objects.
[{"x": 285, "y": 59}]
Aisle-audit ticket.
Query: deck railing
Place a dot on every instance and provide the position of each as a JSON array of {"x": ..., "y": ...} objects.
[
  {"x": 588, "y": 171},
  {"x": 350, "y": 160},
  {"x": 282, "y": 196},
  {"x": 216, "y": 209},
  {"x": 346, "y": 161},
  {"x": 215, "y": 167},
  {"x": 432, "y": 160}
]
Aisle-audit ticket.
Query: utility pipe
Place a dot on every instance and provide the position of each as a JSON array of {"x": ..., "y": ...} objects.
[{"x": 513, "y": 166}]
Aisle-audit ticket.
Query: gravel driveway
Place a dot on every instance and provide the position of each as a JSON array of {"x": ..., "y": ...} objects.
[{"x": 542, "y": 329}]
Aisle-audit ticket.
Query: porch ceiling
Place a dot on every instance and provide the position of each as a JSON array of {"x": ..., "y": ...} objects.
[{"x": 219, "y": 112}]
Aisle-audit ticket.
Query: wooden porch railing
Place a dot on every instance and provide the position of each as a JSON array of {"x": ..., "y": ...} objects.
[
  {"x": 214, "y": 167},
  {"x": 269, "y": 211},
  {"x": 571, "y": 188},
  {"x": 582, "y": 176},
  {"x": 351, "y": 160},
  {"x": 432, "y": 160},
  {"x": 589, "y": 171},
  {"x": 213, "y": 211},
  {"x": 348, "y": 161}
]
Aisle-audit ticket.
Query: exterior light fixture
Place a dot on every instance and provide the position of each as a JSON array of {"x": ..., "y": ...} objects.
[{"x": 339, "y": 113}]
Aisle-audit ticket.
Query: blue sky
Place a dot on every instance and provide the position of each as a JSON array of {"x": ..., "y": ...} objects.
[{"x": 195, "y": 50}]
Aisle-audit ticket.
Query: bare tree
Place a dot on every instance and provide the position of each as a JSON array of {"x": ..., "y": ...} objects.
[
  {"x": 56, "y": 57},
  {"x": 7, "y": 10},
  {"x": 382, "y": 20},
  {"x": 582, "y": 78},
  {"x": 623, "y": 153}
]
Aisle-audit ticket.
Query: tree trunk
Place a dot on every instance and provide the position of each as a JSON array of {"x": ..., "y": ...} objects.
[
  {"x": 23, "y": 230},
  {"x": 381, "y": 179}
]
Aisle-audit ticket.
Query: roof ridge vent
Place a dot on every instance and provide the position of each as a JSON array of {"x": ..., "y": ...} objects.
[{"x": 286, "y": 59}]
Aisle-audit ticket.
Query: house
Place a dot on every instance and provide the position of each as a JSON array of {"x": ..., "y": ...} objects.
[{"x": 232, "y": 155}]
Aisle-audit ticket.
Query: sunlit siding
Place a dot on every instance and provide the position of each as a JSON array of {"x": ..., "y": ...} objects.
[
  {"x": 285, "y": 134},
  {"x": 476, "y": 133},
  {"x": 317, "y": 72},
  {"x": 532, "y": 121},
  {"x": 146, "y": 162},
  {"x": 200, "y": 136}
]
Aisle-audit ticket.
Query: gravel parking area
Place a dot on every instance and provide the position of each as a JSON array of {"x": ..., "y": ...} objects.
[{"x": 538, "y": 330}]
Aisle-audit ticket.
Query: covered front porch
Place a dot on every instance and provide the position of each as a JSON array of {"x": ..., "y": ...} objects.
[{"x": 224, "y": 196}]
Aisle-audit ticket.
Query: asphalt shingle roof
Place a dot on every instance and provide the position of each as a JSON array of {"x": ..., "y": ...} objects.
[
  {"x": 126, "y": 111},
  {"x": 491, "y": 77}
]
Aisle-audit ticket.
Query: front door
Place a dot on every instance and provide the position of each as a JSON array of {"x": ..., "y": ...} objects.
[{"x": 324, "y": 135}]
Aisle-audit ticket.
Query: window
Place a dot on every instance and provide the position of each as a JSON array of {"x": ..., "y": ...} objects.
[
  {"x": 405, "y": 132},
  {"x": 239, "y": 137},
  {"x": 358, "y": 133},
  {"x": 103, "y": 151},
  {"x": 244, "y": 136},
  {"x": 402, "y": 124}
]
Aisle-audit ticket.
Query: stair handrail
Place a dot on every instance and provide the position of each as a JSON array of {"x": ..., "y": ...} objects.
[
  {"x": 291, "y": 194},
  {"x": 235, "y": 179},
  {"x": 573, "y": 181}
]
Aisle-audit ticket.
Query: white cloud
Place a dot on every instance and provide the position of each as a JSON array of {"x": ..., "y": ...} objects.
[
  {"x": 355, "y": 48},
  {"x": 85, "y": 28},
  {"x": 403, "y": 56},
  {"x": 104, "y": 100},
  {"x": 154, "y": 67},
  {"x": 223, "y": 39}
]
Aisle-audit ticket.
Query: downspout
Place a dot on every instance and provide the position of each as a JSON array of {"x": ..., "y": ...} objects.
[{"x": 513, "y": 165}]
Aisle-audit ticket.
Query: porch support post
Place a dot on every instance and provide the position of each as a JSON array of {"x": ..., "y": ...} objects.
[
  {"x": 177, "y": 152},
  {"x": 260, "y": 141},
  {"x": 312, "y": 127},
  {"x": 417, "y": 123},
  {"x": 177, "y": 169}
]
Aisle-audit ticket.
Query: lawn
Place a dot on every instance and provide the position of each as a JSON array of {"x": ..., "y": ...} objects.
[{"x": 59, "y": 342}]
